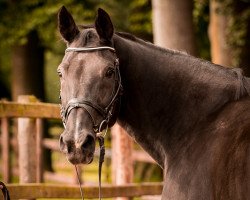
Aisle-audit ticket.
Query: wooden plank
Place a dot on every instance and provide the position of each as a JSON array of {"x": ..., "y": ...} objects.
[
  {"x": 33, "y": 191},
  {"x": 5, "y": 142},
  {"x": 32, "y": 110}
]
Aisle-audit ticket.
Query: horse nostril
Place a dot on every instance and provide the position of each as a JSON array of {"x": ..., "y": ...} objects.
[
  {"x": 65, "y": 146},
  {"x": 88, "y": 144},
  {"x": 61, "y": 143},
  {"x": 69, "y": 148}
]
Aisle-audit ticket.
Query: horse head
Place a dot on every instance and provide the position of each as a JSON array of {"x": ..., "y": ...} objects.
[{"x": 90, "y": 84}]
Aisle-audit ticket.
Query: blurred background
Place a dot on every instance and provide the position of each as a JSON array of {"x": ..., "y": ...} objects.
[{"x": 31, "y": 47}]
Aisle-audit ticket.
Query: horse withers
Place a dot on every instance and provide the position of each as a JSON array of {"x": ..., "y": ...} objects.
[{"x": 190, "y": 115}]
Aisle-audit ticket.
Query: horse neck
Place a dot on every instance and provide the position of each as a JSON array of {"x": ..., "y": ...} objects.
[{"x": 156, "y": 109}]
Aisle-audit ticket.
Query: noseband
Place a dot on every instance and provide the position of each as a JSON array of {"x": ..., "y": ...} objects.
[{"x": 105, "y": 112}]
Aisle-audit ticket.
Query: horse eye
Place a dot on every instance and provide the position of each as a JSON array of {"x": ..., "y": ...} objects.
[{"x": 109, "y": 72}]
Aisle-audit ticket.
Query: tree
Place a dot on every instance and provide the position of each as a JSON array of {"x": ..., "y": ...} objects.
[
  {"x": 28, "y": 68},
  {"x": 20, "y": 34},
  {"x": 230, "y": 32},
  {"x": 221, "y": 51},
  {"x": 173, "y": 25}
]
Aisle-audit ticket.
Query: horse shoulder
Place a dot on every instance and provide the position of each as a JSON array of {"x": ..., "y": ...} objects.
[
  {"x": 216, "y": 165},
  {"x": 230, "y": 150}
]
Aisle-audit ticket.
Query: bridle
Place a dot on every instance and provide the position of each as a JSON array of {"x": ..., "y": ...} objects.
[
  {"x": 105, "y": 112},
  {"x": 4, "y": 191}
]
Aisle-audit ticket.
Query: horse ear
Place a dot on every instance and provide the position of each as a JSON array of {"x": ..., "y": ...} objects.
[
  {"x": 104, "y": 26},
  {"x": 66, "y": 25}
]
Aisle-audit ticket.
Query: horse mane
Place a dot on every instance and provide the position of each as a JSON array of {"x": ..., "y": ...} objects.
[
  {"x": 133, "y": 38},
  {"x": 244, "y": 84},
  {"x": 243, "y": 88}
]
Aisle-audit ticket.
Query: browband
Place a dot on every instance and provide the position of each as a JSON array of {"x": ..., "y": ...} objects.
[{"x": 79, "y": 49}]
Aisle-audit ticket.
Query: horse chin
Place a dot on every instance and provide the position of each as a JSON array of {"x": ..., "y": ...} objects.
[
  {"x": 90, "y": 160},
  {"x": 80, "y": 158}
]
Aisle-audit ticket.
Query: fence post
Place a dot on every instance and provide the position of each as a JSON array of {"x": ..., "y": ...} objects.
[
  {"x": 27, "y": 144},
  {"x": 39, "y": 150},
  {"x": 5, "y": 149},
  {"x": 122, "y": 163}
]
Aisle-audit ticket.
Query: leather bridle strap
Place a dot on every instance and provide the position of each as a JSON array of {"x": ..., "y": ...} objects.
[
  {"x": 101, "y": 160},
  {"x": 81, "y": 49},
  {"x": 4, "y": 191},
  {"x": 106, "y": 112},
  {"x": 75, "y": 103}
]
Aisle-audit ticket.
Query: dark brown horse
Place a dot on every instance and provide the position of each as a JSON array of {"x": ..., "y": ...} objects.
[{"x": 191, "y": 116}]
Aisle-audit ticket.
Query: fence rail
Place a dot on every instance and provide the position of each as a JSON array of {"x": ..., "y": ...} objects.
[
  {"x": 29, "y": 110},
  {"x": 33, "y": 191},
  {"x": 29, "y": 113}
]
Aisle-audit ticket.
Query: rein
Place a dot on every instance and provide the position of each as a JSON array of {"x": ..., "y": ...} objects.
[
  {"x": 4, "y": 191},
  {"x": 101, "y": 160},
  {"x": 105, "y": 112}
]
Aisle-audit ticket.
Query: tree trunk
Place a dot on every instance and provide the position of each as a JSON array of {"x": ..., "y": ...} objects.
[
  {"x": 27, "y": 68},
  {"x": 221, "y": 52},
  {"x": 173, "y": 25},
  {"x": 244, "y": 57},
  {"x": 28, "y": 77}
]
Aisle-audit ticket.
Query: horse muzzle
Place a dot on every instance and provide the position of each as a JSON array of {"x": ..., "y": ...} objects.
[{"x": 80, "y": 151}]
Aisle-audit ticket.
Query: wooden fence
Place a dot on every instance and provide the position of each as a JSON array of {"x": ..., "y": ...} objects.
[
  {"x": 33, "y": 191},
  {"x": 29, "y": 113}
]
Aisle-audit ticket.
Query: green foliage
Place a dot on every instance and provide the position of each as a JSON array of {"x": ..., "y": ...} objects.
[
  {"x": 131, "y": 16},
  {"x": 39, "y": 15},
  {"x": 238, "y": 17},
  {"x": 19, "y": 18},
  {"x": 140, "y": 18},
  {"x": 201, "y": 23}
]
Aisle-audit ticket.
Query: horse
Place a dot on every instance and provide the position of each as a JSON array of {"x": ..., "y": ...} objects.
[{"x": 190, "y": 115}]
